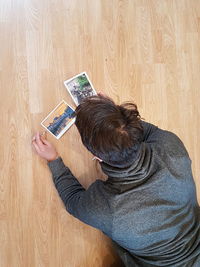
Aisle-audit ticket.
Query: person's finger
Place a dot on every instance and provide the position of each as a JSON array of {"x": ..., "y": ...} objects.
[
  {"x": 45, "y": 141},
  {"x": 43, "y": 134},
  {"x": 38, "y": 140},
  {"x": 33, "y": 138},
  {"x": 102, "y": 94},
  {"x": 36, "y": 147},
  {"x": 44, "y": 138}
]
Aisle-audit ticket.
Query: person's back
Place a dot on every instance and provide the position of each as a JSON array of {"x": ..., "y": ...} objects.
[
  {"x": 153, "y": 203},
  {"x": 148, "y": 204}
]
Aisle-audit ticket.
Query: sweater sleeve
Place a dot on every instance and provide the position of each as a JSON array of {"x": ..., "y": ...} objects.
[{"x": 83, "y": 204}]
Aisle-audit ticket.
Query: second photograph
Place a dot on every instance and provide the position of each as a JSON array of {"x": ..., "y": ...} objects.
[{"x": 80, "y": 87}]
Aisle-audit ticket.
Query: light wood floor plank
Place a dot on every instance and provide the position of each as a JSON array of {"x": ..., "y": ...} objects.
[{"x": 147, "y": 51}]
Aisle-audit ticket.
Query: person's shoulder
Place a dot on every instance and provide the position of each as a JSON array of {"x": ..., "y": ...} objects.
[
  {"x": 171, "y": 143},
  {"x": 149, "y": 129},
  {"x": 169, "y": 136},
  {"x": 97, "y": 187},
  {"x": 155, "y": 133}
]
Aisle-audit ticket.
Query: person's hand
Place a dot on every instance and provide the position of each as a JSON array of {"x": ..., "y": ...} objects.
[{"x": 44, "y": 148}]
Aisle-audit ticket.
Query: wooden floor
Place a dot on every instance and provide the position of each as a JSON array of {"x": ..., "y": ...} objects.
[{"x": 147, "y": 51}]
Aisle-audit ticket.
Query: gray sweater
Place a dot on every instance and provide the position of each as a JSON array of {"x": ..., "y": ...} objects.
[{"x": 148, "y": 208}]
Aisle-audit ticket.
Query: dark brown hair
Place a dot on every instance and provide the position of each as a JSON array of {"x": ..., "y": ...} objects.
[{"x": 111, "y": 132}]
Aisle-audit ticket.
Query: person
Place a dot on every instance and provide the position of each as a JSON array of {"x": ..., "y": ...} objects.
[{"x": 148, "y": 204}]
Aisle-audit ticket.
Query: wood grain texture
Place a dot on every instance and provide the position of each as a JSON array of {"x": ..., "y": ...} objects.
[{"x": 147, "y": 51}]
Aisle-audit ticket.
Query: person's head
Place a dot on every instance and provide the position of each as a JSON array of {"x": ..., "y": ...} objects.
[{"x": 109, "y": 131}]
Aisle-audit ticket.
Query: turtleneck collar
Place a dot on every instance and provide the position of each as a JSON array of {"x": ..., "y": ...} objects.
[{"x": 138, "y": 170}]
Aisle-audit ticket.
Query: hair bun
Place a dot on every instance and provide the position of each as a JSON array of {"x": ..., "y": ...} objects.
[{"x": 130, "y": 112}]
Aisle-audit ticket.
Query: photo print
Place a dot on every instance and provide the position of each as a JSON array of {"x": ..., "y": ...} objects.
[
  {"x": 80, "y": 87},
  {"x": 59, "y": 120}
]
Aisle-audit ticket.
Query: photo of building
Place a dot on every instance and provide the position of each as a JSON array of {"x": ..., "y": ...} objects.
[
  {"x": 80, "y": 87},
  {"x": 59, "y": 120}
]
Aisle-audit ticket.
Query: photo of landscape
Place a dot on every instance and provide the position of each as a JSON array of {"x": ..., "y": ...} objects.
[{"x": 59, "y": 120}]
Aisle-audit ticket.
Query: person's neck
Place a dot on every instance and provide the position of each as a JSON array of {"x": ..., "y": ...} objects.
[{"x": 136, "y": 169}]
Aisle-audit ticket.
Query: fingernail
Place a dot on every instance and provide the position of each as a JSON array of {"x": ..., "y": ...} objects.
[{"x": 43, "y": 133}]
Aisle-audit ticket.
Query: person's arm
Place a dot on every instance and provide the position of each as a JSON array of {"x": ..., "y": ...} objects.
[
  {"x": 66, "y": 184},
  {"x": 89, "y": 205}
]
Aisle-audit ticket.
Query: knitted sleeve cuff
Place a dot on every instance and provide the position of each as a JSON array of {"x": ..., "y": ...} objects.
[{"x": 57, "y": 167}]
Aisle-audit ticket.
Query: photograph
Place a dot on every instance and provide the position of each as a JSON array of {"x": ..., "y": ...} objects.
[
  {"x": 59, "y": 119},
  {"x": 80, "y": 87}
]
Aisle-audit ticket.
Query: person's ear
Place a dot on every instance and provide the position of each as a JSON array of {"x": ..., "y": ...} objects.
[{"x": 97, "y": 159}]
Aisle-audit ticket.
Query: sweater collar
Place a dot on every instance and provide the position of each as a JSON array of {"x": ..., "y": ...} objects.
[{"x": 139, "y": 169}]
